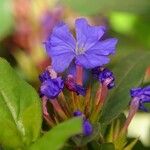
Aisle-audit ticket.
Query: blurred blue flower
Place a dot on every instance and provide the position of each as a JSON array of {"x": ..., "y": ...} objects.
[
  {"x": 88, "y": 50},
  {"x": 87, "y": 126},
  {"x": 77, "y": 113},
  {"x": 142, "y": 95}
]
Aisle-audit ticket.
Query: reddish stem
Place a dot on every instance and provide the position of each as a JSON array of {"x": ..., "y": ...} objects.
[
  {"x": 87, "y": 100},
  {"x": 79, "y": 75},
  {"x": 101, "y": 95},
  {"x": 44, "y": 103},
  {"x": 58, "y": 109},
  {"x": 45, "y": 112},
  {"x": 99, "y": 102},
  {"x": 132, "y": 111}
]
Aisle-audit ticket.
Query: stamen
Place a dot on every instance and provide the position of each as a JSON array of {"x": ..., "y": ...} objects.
[{"x": 79, "y": 49}]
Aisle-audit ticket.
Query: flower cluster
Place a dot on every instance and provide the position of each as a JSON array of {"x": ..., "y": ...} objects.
[
  {"x": 67, "y": 93},
  {"x": 70, "y": 94}
]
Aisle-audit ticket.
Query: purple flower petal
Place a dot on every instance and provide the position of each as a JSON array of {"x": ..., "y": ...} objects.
[
  {"x": 60, "y": 45},
  {"x": 91, "y": 60},
  {"x": 105, "y": 47},
  {"x": 90, "y": 51},
  {"x": 61, "y": 62},
  {"x": 87, "y": 35}
]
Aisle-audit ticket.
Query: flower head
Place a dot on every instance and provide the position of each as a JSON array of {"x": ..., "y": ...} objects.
[
  {"x": 88, "y": 50},
  {"x": 142, "y": 95}
]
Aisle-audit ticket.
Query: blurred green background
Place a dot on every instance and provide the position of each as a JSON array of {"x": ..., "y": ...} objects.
[{"x": 25, "y": 24}]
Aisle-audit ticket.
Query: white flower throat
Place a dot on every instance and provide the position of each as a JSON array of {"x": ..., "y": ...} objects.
[{"x": 80, "y": 49}]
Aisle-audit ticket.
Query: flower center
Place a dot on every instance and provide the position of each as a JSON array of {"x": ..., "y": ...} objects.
[{"x": 79, "y": 50}]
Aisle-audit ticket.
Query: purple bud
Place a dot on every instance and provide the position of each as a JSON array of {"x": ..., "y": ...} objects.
[
  {"x": 96, "y": 71},
  {"x": 48, "y": 74},
  {"x": 44, "y": 76},
  {"x": 142, "y": 95},
  {"x": 52, "y": 87},
  {"x": 77, "y": 113},
  {"x": 87, "y": 128},
  {"x": 80, "y": 90},
  {"x": 136, "y": 92},
  {"x": 72, "y": 86},
  {"x": 105, "y": 76},
  {"x": 70, "y": 83}
]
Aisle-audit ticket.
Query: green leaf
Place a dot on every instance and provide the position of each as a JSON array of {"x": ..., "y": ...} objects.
[
  {"x": 123, "y": 22},
  {"x": 6, "y": 18},
  {"x": 56, "y": 137},
  {"x": 94, "y": 145},
  {"x": 131, "y": 145},
  {"x": 129, "y": 73},
  {"x": 107, "y": 146},
  {"x": 20, "y": 110},
  {"x": 115, "y": 127}
]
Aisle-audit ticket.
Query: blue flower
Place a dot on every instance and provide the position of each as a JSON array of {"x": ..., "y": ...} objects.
[
  {"x": 87, "y": 128},
  {"x": 50, "y": 87},
  {"x": 105, "y": 76},
  {"x": 88, "y": 50},
  {"x": 142, "y": 95},
  {"x": 77, "y": 113}
]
